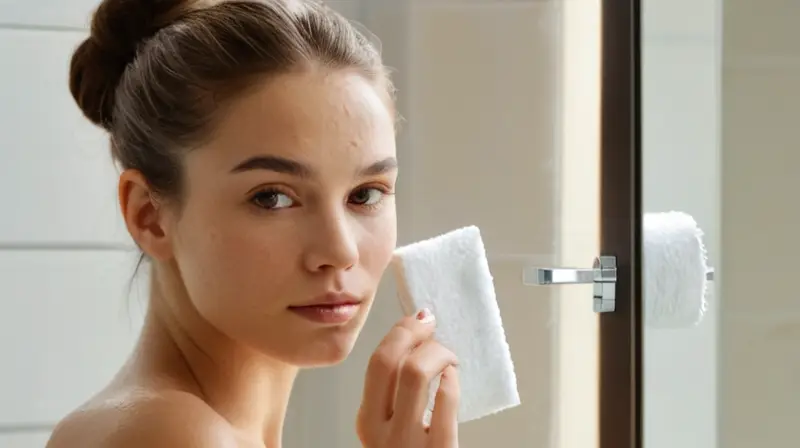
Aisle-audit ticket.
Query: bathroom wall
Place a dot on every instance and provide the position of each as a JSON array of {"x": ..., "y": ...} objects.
[
  {"x": 69, "y": 313},
  {"x": 760, "y": 315},
  {"x": 65, "y": 321},
  {"x": 680, "y": 111}
]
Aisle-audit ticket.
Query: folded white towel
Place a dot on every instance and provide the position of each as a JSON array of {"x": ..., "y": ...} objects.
[{"x": 449, "y": 275}]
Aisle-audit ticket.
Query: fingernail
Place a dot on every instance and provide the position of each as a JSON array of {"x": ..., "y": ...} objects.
[{"x": 425, "y": 316}]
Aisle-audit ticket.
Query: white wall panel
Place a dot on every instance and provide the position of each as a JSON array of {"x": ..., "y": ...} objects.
[{"x": 67, "y": 324}]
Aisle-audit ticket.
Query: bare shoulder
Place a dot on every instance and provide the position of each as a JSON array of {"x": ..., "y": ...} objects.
[{"x": 144, "y": 419}]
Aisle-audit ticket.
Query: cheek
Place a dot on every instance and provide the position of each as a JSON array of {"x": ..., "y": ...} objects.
[
  {"x": 379, "y": 245},
  {"x": 233, "y": 255}
]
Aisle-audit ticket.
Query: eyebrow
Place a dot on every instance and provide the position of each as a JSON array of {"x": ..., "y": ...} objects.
[
  {"x": 380, "y": 167},
  {"x": 273, "y": 163},
  {"x": 295, "y": 168}
]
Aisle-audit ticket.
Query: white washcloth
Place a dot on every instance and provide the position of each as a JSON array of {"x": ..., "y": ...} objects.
[
  {"x": 675, "y": 270},
  {"x": 449, "y": 275}
]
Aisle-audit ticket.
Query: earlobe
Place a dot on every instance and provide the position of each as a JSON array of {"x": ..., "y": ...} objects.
[{"x": 144, "y": 215}]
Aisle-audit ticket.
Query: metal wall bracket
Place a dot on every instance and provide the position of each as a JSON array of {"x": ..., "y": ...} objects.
[{"x": 603, "y": 275}]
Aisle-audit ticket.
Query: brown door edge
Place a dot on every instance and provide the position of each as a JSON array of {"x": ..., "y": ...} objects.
[{"x": 620, "y": 331}]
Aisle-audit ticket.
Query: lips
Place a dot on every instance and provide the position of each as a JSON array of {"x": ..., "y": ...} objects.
[
  {"x": 331, "y": 300},
  {"x": 329, "y": 309}
]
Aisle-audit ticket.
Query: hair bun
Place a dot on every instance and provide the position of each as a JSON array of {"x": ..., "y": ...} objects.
[{"x": 118, "y": 29}]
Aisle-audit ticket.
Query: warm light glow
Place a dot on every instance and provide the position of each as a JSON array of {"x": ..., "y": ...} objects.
[{"x": 577, "y": 342}]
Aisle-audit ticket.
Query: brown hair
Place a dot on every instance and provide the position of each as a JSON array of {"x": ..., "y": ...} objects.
[{"x": 156, "y": 73}]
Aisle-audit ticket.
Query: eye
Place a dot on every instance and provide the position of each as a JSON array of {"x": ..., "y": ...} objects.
[
  {"x": 272, "y": 200},
  {"x": 367, "y": 196}
]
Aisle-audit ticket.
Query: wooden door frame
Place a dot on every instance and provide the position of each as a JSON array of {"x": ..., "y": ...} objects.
[{"x": 620, "y": 332}]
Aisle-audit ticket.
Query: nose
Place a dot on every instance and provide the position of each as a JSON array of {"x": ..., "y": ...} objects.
[{"x": 333, "y": 243}]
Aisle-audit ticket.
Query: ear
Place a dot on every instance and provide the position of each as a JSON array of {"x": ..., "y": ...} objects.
[{"x": 144, "y": 216}]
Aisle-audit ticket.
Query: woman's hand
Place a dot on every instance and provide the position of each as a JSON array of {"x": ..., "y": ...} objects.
[{"x": 397, "y": 386}]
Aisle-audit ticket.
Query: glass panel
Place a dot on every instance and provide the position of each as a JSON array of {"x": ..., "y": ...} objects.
[
  {"x": 681, "y": 172},
  {"x": 720, "y": 113},
  {"x": 759, "y": 320},
  {"x": 501, "y": 108}
]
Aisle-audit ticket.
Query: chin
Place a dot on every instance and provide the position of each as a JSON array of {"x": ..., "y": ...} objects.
[
  {"x": 317, "y": 360},
  {"x": 310, "y": 346},
  {"x": 324, "y": 351}
]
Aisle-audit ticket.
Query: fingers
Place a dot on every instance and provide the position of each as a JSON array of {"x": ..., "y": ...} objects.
[
  {"x": 443, "y": 430},
  {"x": 418, "y": 371},
  {"x": 382, "y": 372}
]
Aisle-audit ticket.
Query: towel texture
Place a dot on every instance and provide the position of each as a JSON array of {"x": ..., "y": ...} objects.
[
  {"x": 449, "y": 275},
  {"x": 674, "y": 271}
]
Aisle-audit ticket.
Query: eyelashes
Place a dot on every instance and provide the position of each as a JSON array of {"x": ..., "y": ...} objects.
[
  {"x": 272, "y": 199},
  {"x": 369, "y": 198}
]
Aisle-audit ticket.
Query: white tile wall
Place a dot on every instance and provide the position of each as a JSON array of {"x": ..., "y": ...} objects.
[
  {"x": 47, "y": 13},
  {"x": 24, "y": 439},
  {"x": 67, "y": 325},
  {"x": 57, "y": 180},
  {"x": 63, "y": 325}
]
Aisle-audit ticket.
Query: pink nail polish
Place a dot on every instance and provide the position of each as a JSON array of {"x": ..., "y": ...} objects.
[{"x": 425, "y": 316}]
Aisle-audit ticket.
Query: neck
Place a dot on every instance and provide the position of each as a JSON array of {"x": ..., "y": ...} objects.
[{"x": 248, "y": 389}]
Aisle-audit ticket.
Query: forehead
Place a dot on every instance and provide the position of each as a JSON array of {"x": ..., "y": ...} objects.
[{"x": 316, "y": 117}]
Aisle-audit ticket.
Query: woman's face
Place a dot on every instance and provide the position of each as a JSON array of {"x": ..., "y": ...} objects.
[{"x": 291, "y": 205}]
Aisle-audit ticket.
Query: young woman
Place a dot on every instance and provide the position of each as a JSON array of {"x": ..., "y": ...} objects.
[{"x": 257, "y": 145}]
